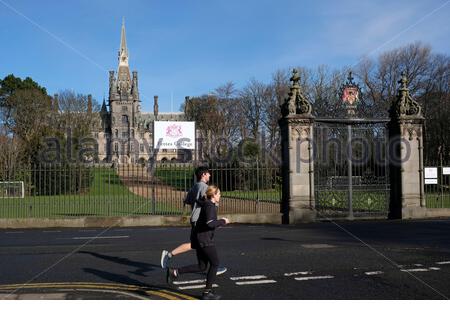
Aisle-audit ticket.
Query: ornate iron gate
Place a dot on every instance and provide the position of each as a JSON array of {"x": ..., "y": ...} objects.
[{"x": 351, "y": 168}]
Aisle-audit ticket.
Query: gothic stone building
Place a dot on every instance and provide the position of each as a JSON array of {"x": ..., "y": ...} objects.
[{"x": 124, "y": 133}]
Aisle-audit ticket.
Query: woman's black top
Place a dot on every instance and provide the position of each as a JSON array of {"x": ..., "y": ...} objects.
[{"x": 203, "y": 232}]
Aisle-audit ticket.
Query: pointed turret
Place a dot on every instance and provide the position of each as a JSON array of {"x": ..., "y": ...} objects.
[{"x": 103, "y": 110}]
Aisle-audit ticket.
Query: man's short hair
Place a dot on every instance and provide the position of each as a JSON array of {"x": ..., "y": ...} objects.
[{"x": 200, "y": 171}]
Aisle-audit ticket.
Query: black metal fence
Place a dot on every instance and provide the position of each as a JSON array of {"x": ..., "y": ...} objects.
[
  {"x": 437, "y": 186},
  {"x": 56, "y": 191}
]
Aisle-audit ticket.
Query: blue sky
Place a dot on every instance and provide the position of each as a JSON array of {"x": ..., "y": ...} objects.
[{"x": 185, "y": 48}]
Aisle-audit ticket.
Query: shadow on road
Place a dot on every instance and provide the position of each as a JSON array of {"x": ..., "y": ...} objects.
[{"x": 142, "y": 267}]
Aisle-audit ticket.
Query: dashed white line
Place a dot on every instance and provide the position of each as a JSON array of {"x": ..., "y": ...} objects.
[
  {"x": 196, "y": 287},
  {"x": 443, "y": 262},
  {"x": 372, "y": 273},
  {"x": 14, "y": 232},
  {"x": 303, "y": 273},
  {"x": 95, "y": 238},
  {"x": 314, "y": 278},
  {"x": 415, "y": 270},
  {"x": 243, "y": 283},
  {"x": 248, "y": 278},
  {"x": 51, "y": 231},
  {"x": 434, "y": 268},
  {"x": 190, "y": 281}
]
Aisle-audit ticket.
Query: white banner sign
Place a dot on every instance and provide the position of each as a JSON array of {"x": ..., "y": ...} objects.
[
  {"x": 431, "y": 181},
  {"x": 174, "y": 135},
  {"x": 431, "y": 173},
  {"x": 446, "y": 171}
]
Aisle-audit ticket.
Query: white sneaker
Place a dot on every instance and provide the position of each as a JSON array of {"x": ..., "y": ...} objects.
[
  {"x": 164, "y": 259},
  {"x": 221, "y": 270}
]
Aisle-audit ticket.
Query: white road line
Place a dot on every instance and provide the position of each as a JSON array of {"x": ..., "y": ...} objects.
[
  {"x": 303, "y": 273},
  {"x": 191, "y": 281},
  {"x": 87, "y": 230},
  {"x": 243, "y": 283},
  {"x": 109, "y": 237},
  {"x": 415, "y": 270},
  {"x": 434, "y": 268},
  {"x": 51, "y": 231},
  {"x": 248, "y": 278},
  {"x": 418, "y": 265},
  {"x": 372, "y": 273},
  {"x": 196, "y": 287},
  {"x": 14, "y": 232},
  {"x": 313, "y": 278},
  {"x": 443, "y": 262}
]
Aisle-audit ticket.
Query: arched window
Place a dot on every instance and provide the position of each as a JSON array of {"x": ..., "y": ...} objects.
[
  {"x": 117, "y": 133},
  {"x": 124, "y": 119}
]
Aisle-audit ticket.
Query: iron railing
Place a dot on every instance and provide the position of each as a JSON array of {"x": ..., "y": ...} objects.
[
  {"x": 437, "y": 186},
  {"x": 58, "y": 191}
]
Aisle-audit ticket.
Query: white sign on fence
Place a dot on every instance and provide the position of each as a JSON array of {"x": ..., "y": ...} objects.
[
  {"x": 446, "y": 171},
  {"x": 431, "y": 181},
  {"x": 431, "y": 173},
  {"x": 174, "y": 135}
]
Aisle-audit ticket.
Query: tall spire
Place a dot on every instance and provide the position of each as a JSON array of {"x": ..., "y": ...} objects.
[
  {"x": 123, "y": 75},
  {"x": 123, "y": 53}
]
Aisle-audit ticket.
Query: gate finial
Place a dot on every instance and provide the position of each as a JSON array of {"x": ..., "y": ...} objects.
[
  {"x": 296, "y": 102},
  {"x": 405, "y": 105}
]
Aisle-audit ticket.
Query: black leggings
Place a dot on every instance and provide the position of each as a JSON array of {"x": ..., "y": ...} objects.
[{"x": 205, "y": 255}]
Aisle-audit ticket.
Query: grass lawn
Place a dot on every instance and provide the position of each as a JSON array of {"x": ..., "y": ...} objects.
[
  {"x": 180, "y": 178},
  {"x": 436, "y": 200}
]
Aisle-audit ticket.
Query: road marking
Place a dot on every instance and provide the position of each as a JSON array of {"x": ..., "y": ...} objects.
[
  {"x": 87, "y": 230},
  {"x": 372, "y": 273},
  {"x": 313, "y": 278},
  {"x": 94, "y": 238},
  {"x": 317, "y": 246},
  {"x": 418, "y": 265},
  {"x": 434, "y": 268},
  {"x": 51, "y": 231},
  {"x": 201, "y": 286},
  {"x": 97, "y": 286},
  {"x": 443, "y": 262},
  {"x": 248, "y": 278},
  {"x": 191, "y": 281},
  {"x": 303, "y": 273},
  {"x": 243, "y": 283},
  {"x": 415, "y": 270},
  {"x": 14, "y": 232}
]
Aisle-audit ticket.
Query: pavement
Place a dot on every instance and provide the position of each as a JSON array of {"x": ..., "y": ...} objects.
[{"x": 327, "y": 260}]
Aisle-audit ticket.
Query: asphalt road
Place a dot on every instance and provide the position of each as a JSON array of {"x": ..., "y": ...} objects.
[{"x": 342, "y": 260}]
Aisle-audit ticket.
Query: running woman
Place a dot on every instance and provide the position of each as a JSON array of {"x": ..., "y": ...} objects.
[{"x": 202, "y": 240}]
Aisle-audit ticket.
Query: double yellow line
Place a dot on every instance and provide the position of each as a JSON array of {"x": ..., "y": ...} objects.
[{"x": 161, "y": 293}]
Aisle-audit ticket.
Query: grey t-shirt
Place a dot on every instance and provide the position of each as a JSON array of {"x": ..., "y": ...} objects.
[{"x": 197, "y": 191}]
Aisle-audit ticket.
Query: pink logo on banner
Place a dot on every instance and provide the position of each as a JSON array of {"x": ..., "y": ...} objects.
[{"x": 174, "y": 131}]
